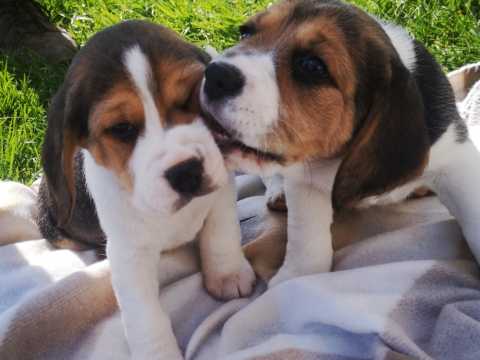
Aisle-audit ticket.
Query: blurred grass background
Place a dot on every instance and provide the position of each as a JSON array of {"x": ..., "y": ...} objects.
[{"x": 449, "y": 28}]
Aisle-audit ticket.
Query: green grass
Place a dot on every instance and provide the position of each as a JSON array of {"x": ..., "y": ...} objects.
[
  {"x": 26, "y": 84},
  {"x": 449, "y": 28}
]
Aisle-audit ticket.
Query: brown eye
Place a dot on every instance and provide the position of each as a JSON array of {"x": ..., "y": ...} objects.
[
  {"x": 309, "y": 69},
  {"x": 124, "y": 132},
  {"x": 246, "y": 31}
]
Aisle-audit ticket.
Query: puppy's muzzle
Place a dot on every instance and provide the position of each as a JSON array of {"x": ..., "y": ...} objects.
[
  {"x": 223, "y": 80},
  {"x": 187, "y": 178}
]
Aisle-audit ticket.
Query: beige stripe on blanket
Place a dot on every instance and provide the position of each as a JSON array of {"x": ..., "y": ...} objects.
[{"x": 65, "y": 310}]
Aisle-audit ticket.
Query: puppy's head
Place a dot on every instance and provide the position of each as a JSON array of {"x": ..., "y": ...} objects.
[
  {"x": 130, "y": 99},
  {"x": 314, "y": 80}
]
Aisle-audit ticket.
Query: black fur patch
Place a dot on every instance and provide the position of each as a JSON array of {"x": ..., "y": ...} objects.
[
  {"x": 438, "y": 98},
  {"x": 84, "y": 226},
  {"x": 186, "y": 178},
  {"x": 391, "y": 143}
]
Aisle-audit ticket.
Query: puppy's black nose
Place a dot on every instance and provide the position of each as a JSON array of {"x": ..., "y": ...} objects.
[
  {"x": 186, "y": 177},
  {"x": 223, "y": 80}
]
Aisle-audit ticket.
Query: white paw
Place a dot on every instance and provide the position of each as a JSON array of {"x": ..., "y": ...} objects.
[{"x": 232, "y": 285}]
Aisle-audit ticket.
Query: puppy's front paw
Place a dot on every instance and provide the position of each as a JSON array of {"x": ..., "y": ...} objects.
[
  {"x": 275, "y": 193},
  {"x": 277, "y": 202},
  {"x": 231, "y": 285}
]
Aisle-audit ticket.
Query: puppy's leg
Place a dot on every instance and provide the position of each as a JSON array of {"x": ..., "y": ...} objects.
[
  {"x": 275, "y": 193},
  {"x": 227, "y": 273},
  {"x": 309, "y": 245},
  {"x": 458, "y": 187},
  {"x": 135, "y": 281}
]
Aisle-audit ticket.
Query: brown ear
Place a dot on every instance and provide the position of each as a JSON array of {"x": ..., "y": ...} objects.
[
  {"x": 391, "y": 146},
  {"x": 62, "y": 138}
]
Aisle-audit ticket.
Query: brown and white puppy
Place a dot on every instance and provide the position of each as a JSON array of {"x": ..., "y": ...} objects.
[
  {"x": 350, "y": 110},
  {"x": 154, "y": 172}
]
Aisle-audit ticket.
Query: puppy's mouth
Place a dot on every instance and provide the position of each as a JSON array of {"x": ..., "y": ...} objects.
[{"x": 228, "y": 143}]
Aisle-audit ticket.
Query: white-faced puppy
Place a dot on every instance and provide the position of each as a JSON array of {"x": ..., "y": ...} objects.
[
  {"x": 153, "y": 169},
  {"x": 352, "y": 111}
]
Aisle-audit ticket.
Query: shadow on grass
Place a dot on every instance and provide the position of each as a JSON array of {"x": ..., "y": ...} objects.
[
  {"x": 43, "y": 77},
  {"x": 26, "y": 86}
]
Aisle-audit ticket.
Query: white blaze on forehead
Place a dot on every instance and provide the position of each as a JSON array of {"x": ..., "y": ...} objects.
[{"x": 140, "y": 73}]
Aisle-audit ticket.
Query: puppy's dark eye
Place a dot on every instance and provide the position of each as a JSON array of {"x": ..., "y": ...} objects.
[
  {"x": 246, "y": 31},
  {"x": 124, "y": 132},
  {"x": 309, "y": 69}
]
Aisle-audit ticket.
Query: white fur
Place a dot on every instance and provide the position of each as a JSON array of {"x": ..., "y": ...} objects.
[
  {"x": 274, "y": 188},
  {"x": 456, "y": 169},
  {"x": 310, "y": 214},
  {"x": 255, "y": 110},
  {"x": 309, "y": 219},
  {"x": 141, "y": 74},
  {"x": 403, "y": 43},
  {"x": 141, "y": 224},
  {"x": 210, "y": 50}
]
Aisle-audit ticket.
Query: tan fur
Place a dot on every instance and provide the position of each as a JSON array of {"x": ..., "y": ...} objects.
[
  {"x": 175, "y": 102},
  {"x": 267, "y": 251},
  {"x": 272, "y": 19},
  {"x": 312, "y": 124},
  {"x": 122, "y": 104}
]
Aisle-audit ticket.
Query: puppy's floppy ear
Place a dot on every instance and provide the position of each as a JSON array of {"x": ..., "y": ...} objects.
[
  {"x": 67, "y": 126},
  {"x": 391, "y": 145}
]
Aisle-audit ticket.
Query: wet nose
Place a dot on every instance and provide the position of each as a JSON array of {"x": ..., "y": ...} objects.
[
  {"x": 186, "y": 177},
  {"x": 223, "y": 80}
]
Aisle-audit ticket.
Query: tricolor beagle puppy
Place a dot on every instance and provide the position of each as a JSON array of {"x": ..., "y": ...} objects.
[
  {"x": 350, "y": 110},
  {"x": 154, "y": 172}
]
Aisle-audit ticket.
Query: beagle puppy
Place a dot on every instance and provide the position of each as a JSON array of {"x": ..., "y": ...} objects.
[
  {"x": 350, "y": 110},
  {"x": 152, "y": 168}
]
